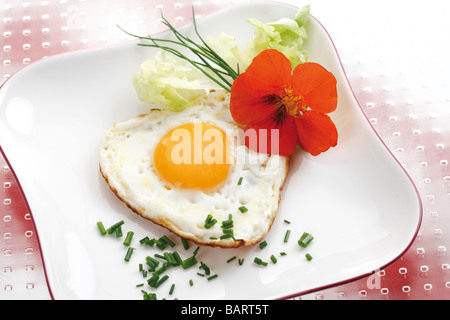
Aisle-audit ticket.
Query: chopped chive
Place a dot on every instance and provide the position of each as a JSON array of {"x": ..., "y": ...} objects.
[
  {"x": 160, "y": 244},
  {"x": 113, "y": 228},
  {"x": 147, "y": 241},
  {"x": 231, "y": 259},
  {"x": 209, "y": 221},
  {"x": 305, "y": 240},
  {"x": 140, "y": 267},
  {"x": 118, "y": 232},
  {"x": 153, "y": 279},
  {"x": 170, "y": 259},
  {"x": 161, "y": 281},
  {"x": 283, "y": 253},
  {"x": 212, "y": 238},
  {"x": 185, "y": 243},
  {"x": 167, "y": 241},
  {"x": 144, "y": 273},
  {"x": 101, "y": 227},
  {"x": 177, "y": 257},
  {"x": 160, "y": 270},
  {"x": 240, "y": 181},
  {"x": 172, "y": 287},
  {"x": 286, "y": 236},
  {"x": 309, "y": 257},
  {"x": 196, "y": 251},
  {"x": 157, "y": 255},
  {"x": 227, "y": 230},
  {"x": 200, "y": 274},
  {"x": 227, "y": 224},
  {"x": 189, "y": 262},
  {"x": 243, "y": 209},
  {"x": 149, "y": 296},
  {"x": 241, "y": 261},
  {"x": 128, "y": 238},
  {"x": 286, "y": 221},
  {"x": 258, "y": 261},
  {"x": 263, "y": 244},
  {"x": 205, "y": 268},
  {"x": 229, "y": 221},
  {"x": 151, "y": 262},
  {"x": 274, "y": 260},
  {"x": 191, "y": 283},
  {"x": 139, "y": 285},
  {"x": 212, "y": 277},
  {"x": 129, "y": 253}
]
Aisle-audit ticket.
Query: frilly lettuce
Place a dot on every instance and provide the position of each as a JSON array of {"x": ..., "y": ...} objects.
[
  {"x": 174, "y": 83},
  {"x": 286, "y": 35},
  {"x": 170, "y": 82}
]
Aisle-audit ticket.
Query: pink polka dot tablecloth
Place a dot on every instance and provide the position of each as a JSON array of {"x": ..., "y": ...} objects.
[{"x": 395, "y": 57}]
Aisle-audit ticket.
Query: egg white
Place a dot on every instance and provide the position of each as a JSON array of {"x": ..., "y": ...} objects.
[{"x": 126, "y": 162}]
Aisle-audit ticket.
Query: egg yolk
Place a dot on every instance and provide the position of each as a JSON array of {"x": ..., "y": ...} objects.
[{"x": 193, "y": 156}]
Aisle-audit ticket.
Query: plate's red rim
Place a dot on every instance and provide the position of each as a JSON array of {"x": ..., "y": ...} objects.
[{"x": 293, "y": 295}]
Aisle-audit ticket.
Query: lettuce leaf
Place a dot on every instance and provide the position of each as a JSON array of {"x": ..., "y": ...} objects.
[
  {"x": 287, "y": 35},
  {"x": 170, "y": 82}
]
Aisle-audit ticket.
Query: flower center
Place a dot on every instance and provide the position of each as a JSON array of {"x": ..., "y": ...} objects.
[
  {"x": 285, "y": 104},
  {"x": 292, "y": 104}
]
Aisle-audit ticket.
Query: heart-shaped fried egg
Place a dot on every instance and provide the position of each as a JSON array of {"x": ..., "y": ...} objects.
[{"x": 191, "y": 173}]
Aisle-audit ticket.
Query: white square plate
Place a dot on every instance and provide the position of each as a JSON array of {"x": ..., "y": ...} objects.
[{"x": 357, "y": 201}]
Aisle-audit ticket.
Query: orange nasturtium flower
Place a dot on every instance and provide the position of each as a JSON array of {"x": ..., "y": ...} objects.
[{"x": 270, "y": 95}]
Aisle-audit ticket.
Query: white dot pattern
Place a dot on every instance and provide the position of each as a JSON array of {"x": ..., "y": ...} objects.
[{"x": 397, "y": 69}]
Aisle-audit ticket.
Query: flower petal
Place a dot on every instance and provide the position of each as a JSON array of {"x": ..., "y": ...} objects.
[
  {"x": 247, "y": 104},
  {"x": 268, "y": 74},
  {"x": 270, "y": 70},
  {"x": 316, "y": 85},
  {"x": 264, "y": 138},
  {"x": 316, "y": 132}
]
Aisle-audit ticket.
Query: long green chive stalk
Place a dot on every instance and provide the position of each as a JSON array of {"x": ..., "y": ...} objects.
[{"x": 209, "y": 63}]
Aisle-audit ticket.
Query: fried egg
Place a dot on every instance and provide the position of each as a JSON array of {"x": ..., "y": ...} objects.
[{"x": 190, "y": 172}]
